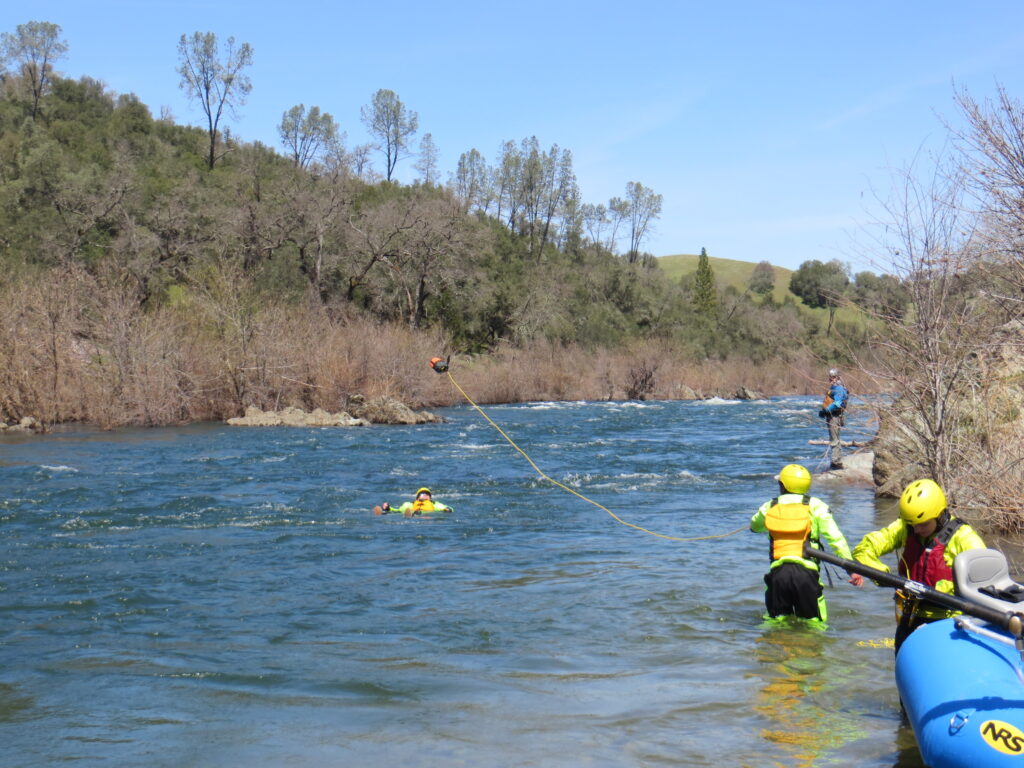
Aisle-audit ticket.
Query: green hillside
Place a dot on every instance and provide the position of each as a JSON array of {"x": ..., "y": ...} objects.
[
  {"x": 727, "y": 272},
  {"x": 737, "y": 274}
]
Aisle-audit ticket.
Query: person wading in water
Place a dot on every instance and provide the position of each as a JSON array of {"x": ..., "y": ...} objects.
[{"x": 793, "y": 582}]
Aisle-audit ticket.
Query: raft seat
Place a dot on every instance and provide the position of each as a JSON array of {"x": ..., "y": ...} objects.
[{"x": 982, "y": 576}]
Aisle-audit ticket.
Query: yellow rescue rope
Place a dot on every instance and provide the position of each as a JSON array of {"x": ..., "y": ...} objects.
[{"x": 441, "y": 366}]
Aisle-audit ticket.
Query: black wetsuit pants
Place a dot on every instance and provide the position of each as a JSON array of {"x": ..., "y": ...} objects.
[{"x": 792, "y": 589}]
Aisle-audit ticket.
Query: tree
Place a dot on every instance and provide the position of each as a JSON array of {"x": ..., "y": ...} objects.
[
  {"x": 33, "y": 48},
  {"x": 618, "y": 212},
  {"x": 883, "y": 296},
  {"x": 595, "y": 221},
  {"x": 821, "y": 286},
  {"x": 359, "y": 158},
  {"x": 508, "y": 185},
  {"x": 405, "y": 249},
  {"x": 471, "y": 182},
  {"x": 306, "y": 135},
  {"x": 427, "y": 162},
  {"x": 993, "y": 160},
  {"x": 217, "y": 85},
  {"x": 762, "y": 279},
  {"x": 546, "y": 179},
  {"x": 705, "y": 298},
  {"x": 644, "y": 208},
  {"x": 392, "y": 124},
  {"x": 933, "y": 355}
]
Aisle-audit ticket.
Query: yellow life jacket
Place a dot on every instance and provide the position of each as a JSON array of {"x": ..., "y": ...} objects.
[
  {"x": 423, "y": 505},
  {"x": 789, "y": 525}
]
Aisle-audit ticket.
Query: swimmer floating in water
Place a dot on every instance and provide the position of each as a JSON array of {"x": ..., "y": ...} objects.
[{"x": 423, "y": 504}]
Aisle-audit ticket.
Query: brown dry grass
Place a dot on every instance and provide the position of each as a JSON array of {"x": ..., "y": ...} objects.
[{"x": 75, "y": 349}]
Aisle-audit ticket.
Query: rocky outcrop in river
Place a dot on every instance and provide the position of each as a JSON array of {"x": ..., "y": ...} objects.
[{"x": 359, "y": 413}]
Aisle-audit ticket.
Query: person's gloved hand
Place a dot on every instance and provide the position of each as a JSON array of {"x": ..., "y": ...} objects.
[{"x": 822, "y": 413}]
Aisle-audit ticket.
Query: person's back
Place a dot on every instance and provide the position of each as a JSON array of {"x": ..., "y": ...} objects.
[{"x": 792, "y": 584}]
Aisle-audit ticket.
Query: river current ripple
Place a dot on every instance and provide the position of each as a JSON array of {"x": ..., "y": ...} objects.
[{"x": 213, "y": 595}]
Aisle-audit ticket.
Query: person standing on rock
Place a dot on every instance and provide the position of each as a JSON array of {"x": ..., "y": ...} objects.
[{"x": 833, "y": 411}]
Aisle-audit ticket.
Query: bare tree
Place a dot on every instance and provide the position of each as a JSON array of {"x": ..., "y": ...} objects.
[
  {"x": 359, "y": 159},
  {"x": 379, "y": 234},
  {"x": 993, "y": 155},
  {"x": 217, "y": 84},
  {"x": 408, "y": 250},
  {"x": 930, "y": 356},
  {"x": 392, "y": 124},
  {"x": 33, "y": 48}
]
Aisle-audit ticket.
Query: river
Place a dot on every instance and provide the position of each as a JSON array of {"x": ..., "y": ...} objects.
[{"x": 211, "y": 595}]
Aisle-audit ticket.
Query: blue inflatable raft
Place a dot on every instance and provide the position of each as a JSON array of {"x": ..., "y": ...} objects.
[{"x": 962, "y": 680}]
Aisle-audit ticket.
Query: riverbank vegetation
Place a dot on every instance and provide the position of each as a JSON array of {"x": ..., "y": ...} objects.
[{"x": 155, "y": 272}]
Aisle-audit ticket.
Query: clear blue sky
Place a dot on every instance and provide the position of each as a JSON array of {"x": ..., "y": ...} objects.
[{"x": 768, "y": 127}]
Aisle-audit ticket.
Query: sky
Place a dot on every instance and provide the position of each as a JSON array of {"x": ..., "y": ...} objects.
[{"x": 771, "y": 129}]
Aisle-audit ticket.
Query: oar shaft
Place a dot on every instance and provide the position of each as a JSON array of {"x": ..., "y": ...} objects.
[{"x": 1003, "y": 619}]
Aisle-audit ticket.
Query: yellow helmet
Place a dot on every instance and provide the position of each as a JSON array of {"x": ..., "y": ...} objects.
[
  {"x": 423, "y": 490},
  {"x": 795, "y": 478},
  {"x": 922, "y": 500}
]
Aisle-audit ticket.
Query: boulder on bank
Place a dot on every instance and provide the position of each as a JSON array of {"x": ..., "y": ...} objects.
[
  {"x": 27, "y": 424},
  {"x": 686, "y": 392}
]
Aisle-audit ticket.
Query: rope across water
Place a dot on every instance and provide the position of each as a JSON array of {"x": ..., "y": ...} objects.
[{"x": 441, "y": 366}]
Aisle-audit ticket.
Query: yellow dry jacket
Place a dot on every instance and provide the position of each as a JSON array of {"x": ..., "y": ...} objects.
[
  {"x": 423, "y": 507},
  {"x": 787, "y": 543},
  {"x": 894, "y": 536}
]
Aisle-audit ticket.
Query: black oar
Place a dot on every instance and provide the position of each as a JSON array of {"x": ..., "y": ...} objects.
[{"x": 1008, "y": 620}]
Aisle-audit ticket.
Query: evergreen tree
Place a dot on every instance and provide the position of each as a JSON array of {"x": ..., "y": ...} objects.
[{"x": 704, "y": 295}]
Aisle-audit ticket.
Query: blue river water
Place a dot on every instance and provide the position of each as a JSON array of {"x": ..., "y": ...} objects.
[{"x": 211, "y": 595}]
